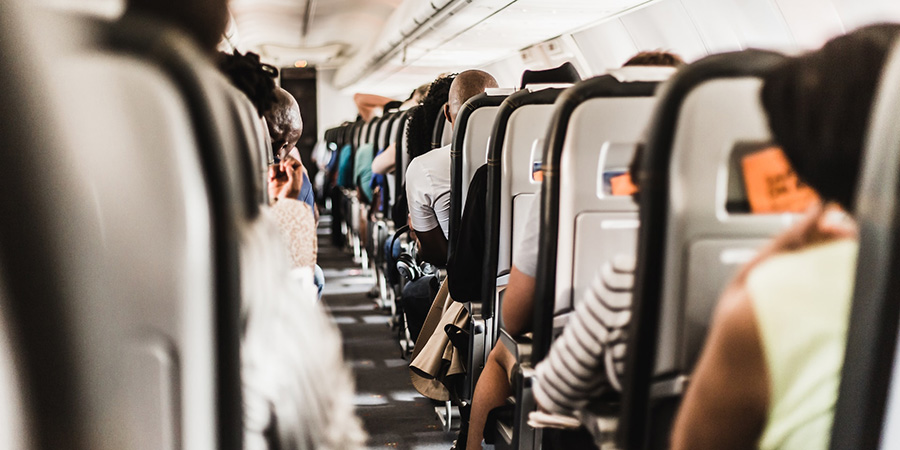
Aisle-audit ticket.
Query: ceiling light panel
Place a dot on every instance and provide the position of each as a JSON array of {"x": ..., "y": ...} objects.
[{"x": 480, "y": 32}]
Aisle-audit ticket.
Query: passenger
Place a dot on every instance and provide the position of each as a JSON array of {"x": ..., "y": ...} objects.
[
  {"x": 769, "y": 373},
  {"x": 493, "y": 385},
  {"x": 285, "y": 127},
  {"x": 428, "y": 176},
  {"x": 419, "y": 129},
  {"x": 288, "y": 183},
  {"x": 384, "y": 162}
]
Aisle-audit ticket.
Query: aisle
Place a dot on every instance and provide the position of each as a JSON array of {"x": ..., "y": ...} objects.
[{"x": 393, "y": 413}]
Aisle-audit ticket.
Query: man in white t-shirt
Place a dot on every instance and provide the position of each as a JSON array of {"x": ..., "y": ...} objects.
[{"x": 428, "y": 176}]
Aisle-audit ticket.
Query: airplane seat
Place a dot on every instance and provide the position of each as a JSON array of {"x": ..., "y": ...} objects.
[
  {"x": 371, "y": 130},
  {"x": 391, "y": 177},
  {"x": 401, "y": 160},
  {"x": 447, "y": 133},
  {"x": 40, "y": 367},
  {"x": 566, "y": 73},
  {"x": 380, "y": 226},
  {"x": 442, "y": 127},
  {"x": 468, "y": 151},
  {"x": 136, "y": 245},
  {"x": 586, "y": 223},
  {"x": 691, "y": 240},
  {"x": 474, "y": 123},
  {"x": 515, "y": 152},
  {"x": 865, "y": 415},
  {"x": 515, "y": 147},
  {"x": 256, "y": 140}
]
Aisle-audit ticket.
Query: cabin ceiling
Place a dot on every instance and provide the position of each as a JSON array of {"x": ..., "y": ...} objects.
[
  {"x": 321, "y": 32},
  {"x": 390, "y": 45}
]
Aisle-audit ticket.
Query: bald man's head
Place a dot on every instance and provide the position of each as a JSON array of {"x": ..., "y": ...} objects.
[
  {"x": 205, "y": 20},
  {"x": 285, "y": 123},
  {"x": 467, "y": 85}
]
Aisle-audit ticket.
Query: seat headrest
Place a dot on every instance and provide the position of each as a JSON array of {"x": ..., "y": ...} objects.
[{"x": 565, "y": 73}]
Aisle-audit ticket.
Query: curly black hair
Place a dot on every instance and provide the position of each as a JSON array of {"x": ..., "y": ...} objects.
[
  {"x": 255, "y": 79},
  {"x": 423, "y": 117}
]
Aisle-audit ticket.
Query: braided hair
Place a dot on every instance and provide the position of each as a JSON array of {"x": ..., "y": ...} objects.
[
  {"x": 255, "y": 79},
  {"x": 423, "y": 117}
]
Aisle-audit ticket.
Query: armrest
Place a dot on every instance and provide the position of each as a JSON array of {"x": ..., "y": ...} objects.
[
  {"x": 503, "y": 279},
  {"x": 519, "y": 348}
]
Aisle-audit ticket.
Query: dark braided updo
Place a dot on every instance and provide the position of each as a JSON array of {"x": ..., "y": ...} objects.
[{"x": 255, "y": 79}]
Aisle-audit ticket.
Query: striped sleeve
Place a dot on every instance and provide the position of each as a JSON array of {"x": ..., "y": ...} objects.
[{"x": 588, "y": 357}]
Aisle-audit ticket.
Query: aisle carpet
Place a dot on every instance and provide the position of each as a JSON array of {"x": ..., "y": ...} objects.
[{"x": 393, "y": 413}]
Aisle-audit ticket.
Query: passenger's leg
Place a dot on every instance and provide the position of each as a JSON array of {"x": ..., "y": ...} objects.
[{"x": 491, "y": 391}]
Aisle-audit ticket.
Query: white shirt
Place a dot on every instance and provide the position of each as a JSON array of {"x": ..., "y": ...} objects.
[
  {"x": 525, "y": 250},
  {"x": 428, "y": 191}
]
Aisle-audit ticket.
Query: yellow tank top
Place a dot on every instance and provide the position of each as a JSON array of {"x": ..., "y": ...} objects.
[{"x": 802, "y": 303}]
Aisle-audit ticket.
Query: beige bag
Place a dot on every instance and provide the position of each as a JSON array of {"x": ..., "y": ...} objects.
[{"x": 434, "y": 357}]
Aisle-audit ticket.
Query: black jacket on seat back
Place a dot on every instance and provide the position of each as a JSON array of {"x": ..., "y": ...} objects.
[{"x": 466, "y": 261}]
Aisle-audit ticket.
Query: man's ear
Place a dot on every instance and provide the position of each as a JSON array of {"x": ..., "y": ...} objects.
[{"x": 447, "y": 113}]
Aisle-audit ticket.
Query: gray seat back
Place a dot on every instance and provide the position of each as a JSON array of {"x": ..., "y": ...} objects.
[
  {"x": 401, "y": 159},
  {"x": 522, "y": 150},
  {"x": 474, "y": 152},
  {"x": 866, "y": 413},
  {"x": 597, "y": 230},
  {"x": 519, "y": 127},
  {"x": 132, "y": 251},
  {"x": 40, "y": 368},
  {"x": 371, "y": 129},
  {"x": 446, "y": 133},
  {"x": 690, "y": 244},
  {"x": 474, "y": 124}
]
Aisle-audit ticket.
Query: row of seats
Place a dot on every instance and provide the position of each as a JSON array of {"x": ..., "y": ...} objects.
[
  {"x": 663, "y": 255},
  {"x": 138, "y": 258},
  {"x": 160, "y": 167}
]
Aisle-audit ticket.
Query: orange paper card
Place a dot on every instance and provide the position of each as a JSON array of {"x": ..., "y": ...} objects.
[
  {"x": 772, "y": 184},
  {"x": 622, "y": 185}
]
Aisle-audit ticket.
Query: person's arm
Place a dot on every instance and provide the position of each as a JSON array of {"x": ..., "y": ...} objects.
[
  {"x": 423, "y": 222},
  {"x": 366, "y": 104},
  {"x": 432, "y": 246},
  {"x": 518, "y": 302},
  {"x": 383, "y": 164},
  {"x": 727, "y": 401}
]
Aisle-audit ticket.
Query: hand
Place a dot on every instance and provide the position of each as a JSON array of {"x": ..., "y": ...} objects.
[{"x": 285, "y": 179}]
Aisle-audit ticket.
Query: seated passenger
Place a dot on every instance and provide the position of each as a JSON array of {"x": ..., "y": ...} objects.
[
  {"x": 418, "y": 137},
  {"x": 384, "y": 162},
  {"x": 428, "y": 176},
  {"x": 285, "y": 128},
  {"x": 493, "y": 385},
  {"x": 769, "y": 373}
]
